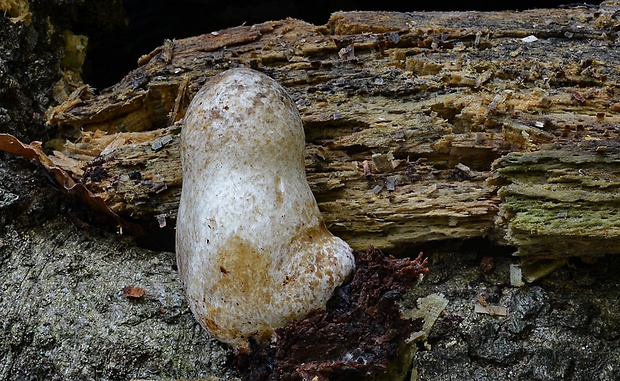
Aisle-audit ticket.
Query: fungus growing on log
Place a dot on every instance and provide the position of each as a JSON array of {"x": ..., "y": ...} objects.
[{"x": 253, "y": 252}]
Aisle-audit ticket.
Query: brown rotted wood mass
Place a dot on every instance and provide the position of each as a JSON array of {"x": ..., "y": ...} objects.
[
  {"x": 420, "y": 126},
  {"x": 360, "y": 336}
]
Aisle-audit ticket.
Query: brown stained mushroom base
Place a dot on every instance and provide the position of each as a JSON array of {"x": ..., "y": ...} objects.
[{"x": 358, "y": 335}]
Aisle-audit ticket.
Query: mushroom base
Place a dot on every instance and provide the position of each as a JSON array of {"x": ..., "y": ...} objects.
[{"x": 358, "y": 336}]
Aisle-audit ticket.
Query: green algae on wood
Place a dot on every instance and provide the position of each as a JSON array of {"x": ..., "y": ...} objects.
[{"x": 562, "y": 200}]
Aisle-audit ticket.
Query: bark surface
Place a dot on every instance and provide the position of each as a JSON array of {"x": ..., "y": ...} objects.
[{"x": 419, "y": 126}]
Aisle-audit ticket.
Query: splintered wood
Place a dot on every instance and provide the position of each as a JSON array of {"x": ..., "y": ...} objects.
[{"x": 407, "y": 117}]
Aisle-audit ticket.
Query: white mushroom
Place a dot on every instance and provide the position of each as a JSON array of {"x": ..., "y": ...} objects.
[{"x": 253, "y": 252}]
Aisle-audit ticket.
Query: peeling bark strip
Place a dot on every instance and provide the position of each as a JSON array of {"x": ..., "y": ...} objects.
[{"x": 404, "y": 115}]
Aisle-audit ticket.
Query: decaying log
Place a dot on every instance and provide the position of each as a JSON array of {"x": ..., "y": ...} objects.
[
  {"x": 562, "y": 199},
  {"x": 405, "y": 114}
]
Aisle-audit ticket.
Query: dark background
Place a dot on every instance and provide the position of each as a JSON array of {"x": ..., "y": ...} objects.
[{"x": 149, "y": 22}]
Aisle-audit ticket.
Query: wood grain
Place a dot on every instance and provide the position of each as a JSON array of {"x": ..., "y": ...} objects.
[{"x": 420, "y": 126}]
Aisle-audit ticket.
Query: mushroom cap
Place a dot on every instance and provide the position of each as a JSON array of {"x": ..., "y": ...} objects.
[{"x": 252, "y": 250}]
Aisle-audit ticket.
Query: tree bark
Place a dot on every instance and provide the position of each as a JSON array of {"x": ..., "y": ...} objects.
[{"x": 420, "y": 126}]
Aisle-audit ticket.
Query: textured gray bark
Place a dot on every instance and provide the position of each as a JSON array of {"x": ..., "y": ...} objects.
[{"x": 63, "y": 311}]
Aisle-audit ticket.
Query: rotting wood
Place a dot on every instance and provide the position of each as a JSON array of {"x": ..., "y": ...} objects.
[
  {"x": 404, "y": 113},
  {"x": 562, "y": 199}
]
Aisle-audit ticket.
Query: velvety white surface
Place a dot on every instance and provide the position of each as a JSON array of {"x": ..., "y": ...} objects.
[{"x": 252, "y": 250}]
